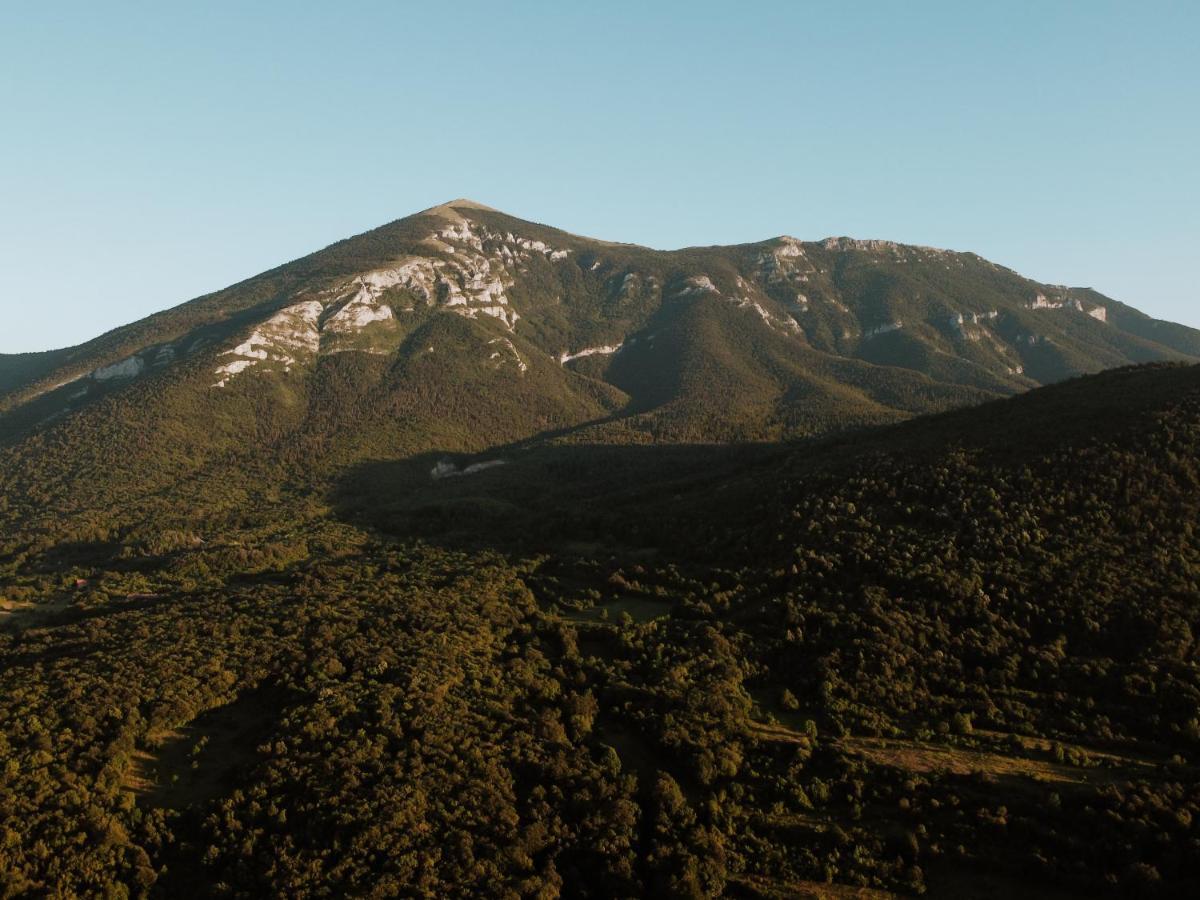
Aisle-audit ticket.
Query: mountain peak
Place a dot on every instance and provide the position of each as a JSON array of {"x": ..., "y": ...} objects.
[{"x": 450, "y": 208}]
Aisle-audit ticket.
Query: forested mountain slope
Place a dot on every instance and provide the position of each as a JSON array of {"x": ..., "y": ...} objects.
[
  {"x": 952, "y": 656},
  {"x": 461, "y": 328}
]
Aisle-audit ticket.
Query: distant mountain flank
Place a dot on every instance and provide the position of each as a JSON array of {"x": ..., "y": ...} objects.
[
  {"x": 954, "y": 318},
  {"x": 461, "y": 328}
]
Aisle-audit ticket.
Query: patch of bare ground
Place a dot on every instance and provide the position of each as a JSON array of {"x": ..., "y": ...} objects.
[
  {"x": 28, "y": 615},
  {"x": 915, "y": 756},
  {"x": 946, "y": 878},
  {"x": 773, "y": 731},
  {"x": 928, "y": 758},
  {"x": 1099, "y": 756}
]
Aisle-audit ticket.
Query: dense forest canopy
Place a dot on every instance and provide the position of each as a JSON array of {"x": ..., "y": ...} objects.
[{"x": 952, "y": 657}]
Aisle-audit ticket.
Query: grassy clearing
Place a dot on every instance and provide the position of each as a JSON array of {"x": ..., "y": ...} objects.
[
  {"x": 1101, "y": 757},
  {"x": 935, "y": 759},
  {"x": 766, "y": 731},
  {"x": 640, "y": 609},
  {"x": 29, "y": 615},
  {"x": 636, "y": 755},
  {"x": 914, "y": 756},
  {"x": 198, "y": 761}
]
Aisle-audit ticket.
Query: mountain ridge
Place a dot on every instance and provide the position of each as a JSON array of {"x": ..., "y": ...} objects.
[
  {"x": 466, "y": 331},
  {"x": 839, "y": 242}
]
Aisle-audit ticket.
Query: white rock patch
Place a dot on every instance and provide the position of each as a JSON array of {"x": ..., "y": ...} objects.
[
  {"x": 56, "y": 385},
  {"x": 462, "y": 233},
  {"x": 447, "y": 469},
  {"x": 768, "y": 317},
  {"x": 361, "y": 310},
  {"x": 785, "y": 261},
  {"x": 607, "y": 349},
  {"x": 697, "y": 284},
  {"x": 885, "y": 328},
  {"x": 471, "y": 281},
  {"x": 789, "y": 247},
  {"x": 1040, "y": 301},
  {"x": 126, "y": 368},
  {"x": 503, "y": 313},
  {"x": 417, "y": 275},
  {"x": 234, "y": 368},
  {"x": 291, "y": 331},
  {"x": 898, "y": 251},
  {"x": 506, "y": 245},
  {"x": 497, "y": 355},
  {"x": 960, "y": 322}
]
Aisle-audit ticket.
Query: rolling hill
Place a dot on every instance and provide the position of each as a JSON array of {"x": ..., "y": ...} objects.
[{"x": 954, "y": 656}]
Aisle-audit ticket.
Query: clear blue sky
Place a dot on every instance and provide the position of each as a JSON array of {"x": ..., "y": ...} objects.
[{"x": 149, "y": 153}]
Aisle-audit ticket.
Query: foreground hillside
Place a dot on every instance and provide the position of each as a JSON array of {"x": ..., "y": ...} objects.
[{"x": 954, "y": 656}]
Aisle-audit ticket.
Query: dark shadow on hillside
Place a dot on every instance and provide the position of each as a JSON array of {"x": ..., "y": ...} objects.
[
  {"x": 584, "y": 497},
  {"x": 694, "y": 500},
  {"x": 194, "y": 762}
]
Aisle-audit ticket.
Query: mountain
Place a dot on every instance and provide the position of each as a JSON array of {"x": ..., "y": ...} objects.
[
  {"x": 462, "y": 328},
  {"x": 804, "y": 326},
  {"x": 468, "y": 557}
]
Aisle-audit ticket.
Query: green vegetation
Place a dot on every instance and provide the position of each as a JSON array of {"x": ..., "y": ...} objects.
[
  {"x": 959, "y": 645},
  {"x": 777, "y": 339},
  {"x": 745, "y": 609}
]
